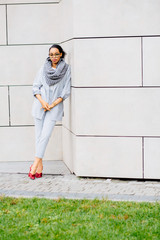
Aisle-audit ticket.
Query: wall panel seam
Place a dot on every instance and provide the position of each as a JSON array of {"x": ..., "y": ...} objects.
[
  {"x": 108, "y": 37},
  {"x": 142, "y": 60},
  {"x": 114, "y": 136},
  {"x": 15, "y": 85},
  {"x": 118, "y": 36},
  {"x": 107, "y": 136},
  {"x": 9, "y": 107},
  {"x": 6, "y": 25},
  {"x": 34, "y": 3},
  {"x": 89, "y": 86},
  {"x": 21, "y": 126},
  {"x": 6, "y": 126},
  {"x": 142, "y": 157},
  {"x": 26, "y": 44},
  {"x": 68, "y": 129},
  {"x": 116, "y": 87},
  {"x": 20, "y": 85},
  {"x": 76, "y": 38}
]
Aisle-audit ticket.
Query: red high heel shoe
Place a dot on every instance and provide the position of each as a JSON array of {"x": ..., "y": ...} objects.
[
  {"x": 38, "y": 175},
  {"x": 32, "y": 176}
]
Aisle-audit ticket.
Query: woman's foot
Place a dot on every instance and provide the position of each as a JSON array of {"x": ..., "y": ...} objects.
[
  {"x": 40, "y": 167},
  {"x": 32, "y": 176},
  {"x": 39, "y": 170},
  {"x": 38, "y": 175},
  {"x": 36, "y": 169}
]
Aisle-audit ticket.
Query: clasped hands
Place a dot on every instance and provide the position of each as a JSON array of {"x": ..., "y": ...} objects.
[{"x": 46, "y": 106}]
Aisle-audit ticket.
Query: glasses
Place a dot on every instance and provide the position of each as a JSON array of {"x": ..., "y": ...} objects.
[{"x": 54, "y": 55}]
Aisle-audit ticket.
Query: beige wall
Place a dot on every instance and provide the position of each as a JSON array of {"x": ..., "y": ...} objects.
[
  {"x": 111, "y": 124},
  {"x": 24, "y": 41}
]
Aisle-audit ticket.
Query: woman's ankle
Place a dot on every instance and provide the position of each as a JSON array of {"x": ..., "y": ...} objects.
[
  {"x": 39, "y": 170},
  {"x": 33, "y": 169}
]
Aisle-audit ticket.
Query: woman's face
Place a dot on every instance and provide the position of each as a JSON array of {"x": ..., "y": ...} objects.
[{"x": 55, "y": 55}]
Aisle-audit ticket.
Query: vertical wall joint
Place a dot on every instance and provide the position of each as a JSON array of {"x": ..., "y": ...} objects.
[
  {"x": 143, "y": 157},
  {"x": 142, "y": 60},
  {"x": 9, "y": 112},
  {"x": 6, "y": 26}
]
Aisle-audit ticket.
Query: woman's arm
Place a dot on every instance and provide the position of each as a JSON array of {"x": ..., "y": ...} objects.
[
  {"x": 67, "y": 87},
  {"x": 57, "y": 101},
  {"x": 45, "y": 105},
  {"x": 37, "y": 84}
]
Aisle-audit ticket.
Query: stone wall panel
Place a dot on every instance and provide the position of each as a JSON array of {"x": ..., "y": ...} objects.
[
  {"x": 18, "y": 144},
  {"x": 25, "y": 63},
  {"x": 108, "y": 157},
  {"x": 116, "y": 18},
  {"x": 151, "y": 158},
  {"x": 4, "y": 106},
  {"x": 116, "y": 111},
  {"x": 107, "y": 62},
  {"x": 33, "y": 23},
  {"x": 3, "y": 25},
  {"x": 21, "y": 104},
  {"x": 151, "y": 61}
]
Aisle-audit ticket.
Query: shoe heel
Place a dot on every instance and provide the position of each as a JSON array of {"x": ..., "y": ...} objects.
[
  {"x": 30, "y": 175},
  {"x": 38, "y": 175}
]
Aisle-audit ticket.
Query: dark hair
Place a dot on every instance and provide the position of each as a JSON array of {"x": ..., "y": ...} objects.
[{"x": 59, "y": 48}]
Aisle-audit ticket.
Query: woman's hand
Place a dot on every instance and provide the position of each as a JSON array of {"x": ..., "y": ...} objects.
[
  {"x": 45, "y": 105},
  {"x": 57, "y": 101},
  {"x": 52, "y": 106}
]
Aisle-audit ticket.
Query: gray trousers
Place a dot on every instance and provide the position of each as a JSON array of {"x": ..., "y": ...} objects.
[{"x": 43, "y": 131}]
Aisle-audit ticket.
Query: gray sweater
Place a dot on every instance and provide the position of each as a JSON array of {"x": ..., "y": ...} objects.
[{"x": 50, "y": 94}]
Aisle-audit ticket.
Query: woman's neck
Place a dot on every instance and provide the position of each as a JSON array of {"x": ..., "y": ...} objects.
[{"x": 54, "y": 65}]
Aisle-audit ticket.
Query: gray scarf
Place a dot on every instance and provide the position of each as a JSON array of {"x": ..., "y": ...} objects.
[{"x": 53, "y": 76}]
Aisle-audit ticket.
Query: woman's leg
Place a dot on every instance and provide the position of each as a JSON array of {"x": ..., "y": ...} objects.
[
  {"x": 36, "y": 165},
  {"x": 44, "y": 130},
  {"x": 40, "y": 166},
  {"x": 38, "y": 129}
]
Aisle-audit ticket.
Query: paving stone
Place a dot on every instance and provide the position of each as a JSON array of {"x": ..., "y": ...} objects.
[{"x": 69, "y": 186}]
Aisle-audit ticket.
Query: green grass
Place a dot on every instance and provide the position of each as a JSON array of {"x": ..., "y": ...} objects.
[{"x": 64, "y": 219}]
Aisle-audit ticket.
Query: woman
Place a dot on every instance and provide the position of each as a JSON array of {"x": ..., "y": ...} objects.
[{"x": 50, "y": 88}]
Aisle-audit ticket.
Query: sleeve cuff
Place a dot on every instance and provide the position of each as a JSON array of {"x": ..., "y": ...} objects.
[
  {"x": 36, "y": 92},
  {"x": 60, "y": 97}
]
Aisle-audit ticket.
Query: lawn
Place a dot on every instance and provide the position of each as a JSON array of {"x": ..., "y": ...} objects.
[{"x": 35, "y": 218}]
